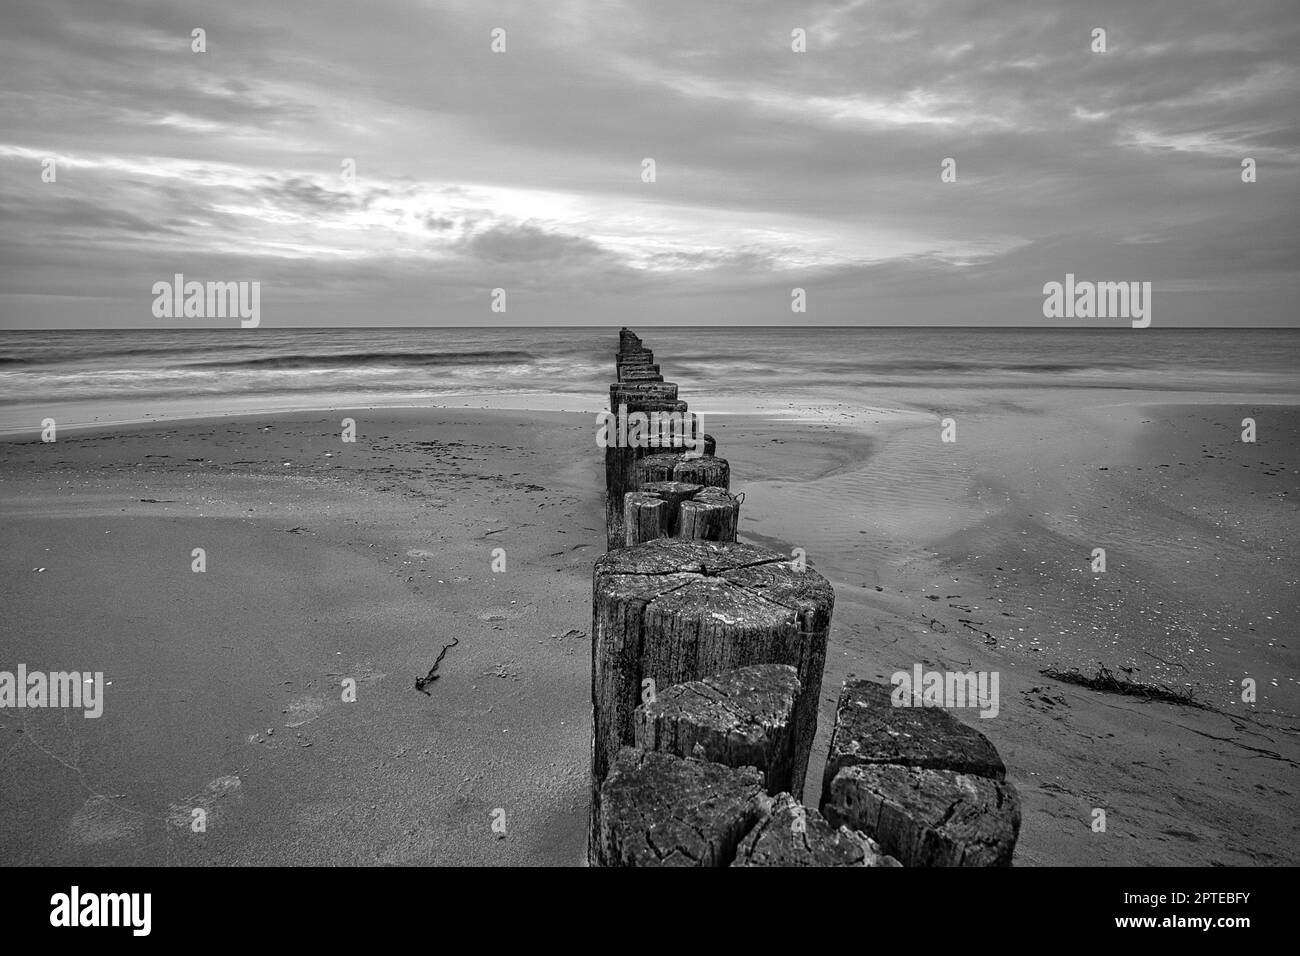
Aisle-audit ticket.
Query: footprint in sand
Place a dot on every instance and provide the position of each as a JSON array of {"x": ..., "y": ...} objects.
[
  {"x": 215, "y": 799},
  {"x": 100, "y": 820},
  {"x": 495, "y": 614},
  {"x": 303, "y": 710}
]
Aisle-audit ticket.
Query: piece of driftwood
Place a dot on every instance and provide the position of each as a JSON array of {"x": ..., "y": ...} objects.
[
  {"x": 741, "y": 718},
  {"x": 928, "y": 817},
  {"x": 658, "y": 809},
  {"x": 792, "y": 835},
  {"x": 673, "y": 611},
  {"x": 870, "y": 730}
]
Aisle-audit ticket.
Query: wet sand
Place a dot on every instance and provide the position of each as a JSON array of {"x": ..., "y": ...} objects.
[
  {"x": 227, "y": 688},
  {"x": 365, "y": 560}
]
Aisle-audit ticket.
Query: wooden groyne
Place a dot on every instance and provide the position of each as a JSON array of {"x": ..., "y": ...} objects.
[{"x": 706, "y": 672}]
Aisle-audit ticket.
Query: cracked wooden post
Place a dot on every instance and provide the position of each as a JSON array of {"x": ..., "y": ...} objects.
[
  {"x": 707, "y": 470},
  {"x": 741, "y": 718},
  {"x": 792, "y": 835},
  {"x": 928, "y": 817},
  {"x": 675, "y": 509},
  {"x": 639, "y": 373},
  {"x": 931, "y": 790},
  {"x": 673, "y": 611},
  {"x": 625, "y": 400},
  {"x": 635, "y": 361},
  {"x": 657, "y": 809},
  {"x": 621, "y": 459},
  {"x": 628, "y": 393},
  {"x": 644, "y": 517},
  {"x": 711, "y": 515}
]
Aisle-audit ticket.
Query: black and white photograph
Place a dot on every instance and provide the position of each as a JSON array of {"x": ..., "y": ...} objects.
[{"x": 621, "y": 434}]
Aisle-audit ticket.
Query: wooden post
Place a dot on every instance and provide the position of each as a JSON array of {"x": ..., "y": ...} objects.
[
  {"x": 669, "y": 496},
  {"x": 689, "y": 511},
  {"x": 792, "y": 835},
  {"x": 928, "y": 817},
  {"x": 870, "y": 729},
  {"x": 674, "y": 611},
  {"x": 620, "y": 462},
  {"x": 644, "y": 517},
  {"x": 931, "y": 790},
  {"x": 706, "y": 470},
  {"x": 637, "y": 373},
  {"x": 626, "y": 393},
  {"x": 673, "y": 493},
  {"x": 711, "y": 515},
  {"x": 657, "y": 809},
  {"x": 741, "y": 718}
]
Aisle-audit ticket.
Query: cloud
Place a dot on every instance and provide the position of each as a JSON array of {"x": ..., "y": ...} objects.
[{"x": 774, "y": 168}]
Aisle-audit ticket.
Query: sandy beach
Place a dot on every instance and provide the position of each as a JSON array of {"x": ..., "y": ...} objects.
[{"x": 329, "y": 561}]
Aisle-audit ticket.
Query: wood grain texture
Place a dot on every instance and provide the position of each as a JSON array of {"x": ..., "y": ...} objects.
[
  {"x": 791, "y": 835},
  {"x": 928, "y": 817},
  {"x": 741, "y": 718},
  {"x": 661, "y": 810},
  {"x": 676, "y": 611},
  {"x": 707, "y": 470},
  {"x": 710, "y": 515},
  {"x": 625, "y": 393},
  {"x": 870, "y": 730}
]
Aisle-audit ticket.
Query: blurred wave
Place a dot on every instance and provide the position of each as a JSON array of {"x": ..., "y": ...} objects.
[{"x": 76, "y": 365}]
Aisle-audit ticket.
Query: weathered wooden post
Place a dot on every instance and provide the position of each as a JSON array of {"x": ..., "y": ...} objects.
[
  {"x": 644, "y": 517},
  {"x": 634, "y": 357},
  {"x": 792, "y": 835},
  {"x": 707, "y": 470},
  {"x": 741, "y": 718},
  {"x": 931, "y": 790},
  {"x": 672, "y": 611},
  {"x": 628, "y": 393},
  {"x": 675, "y": 509},
  {"x": 710, "y": 515},
  {"x": 621, "y": 458},
  {"x": 639, "y": 373},
  {"x": 657, "y": 809}
]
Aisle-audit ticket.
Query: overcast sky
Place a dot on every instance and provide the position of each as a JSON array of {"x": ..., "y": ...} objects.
[{"x": 523, "y": 170}]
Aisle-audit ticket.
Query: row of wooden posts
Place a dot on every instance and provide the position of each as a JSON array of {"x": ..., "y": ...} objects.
[{"x": 707, "y": 661}]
